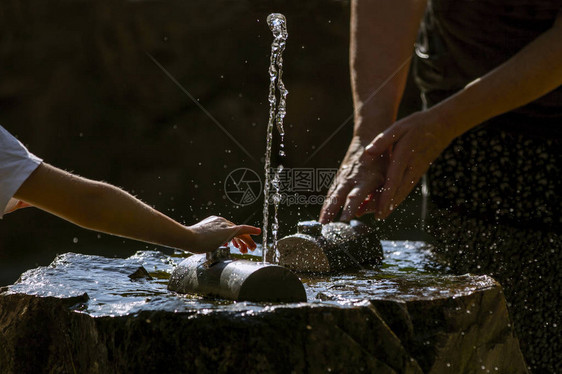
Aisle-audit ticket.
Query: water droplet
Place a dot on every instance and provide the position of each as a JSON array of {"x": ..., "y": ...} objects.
[{"x": 75, "y": 240}]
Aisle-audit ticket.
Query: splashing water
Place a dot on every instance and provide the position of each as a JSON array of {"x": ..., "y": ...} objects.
[
  {"x": 277, "y": 111},
  {"x": 408, "y": 271}
]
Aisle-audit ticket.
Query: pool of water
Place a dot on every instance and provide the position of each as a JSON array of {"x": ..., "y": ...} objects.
[{"x": 408, "y": 271}]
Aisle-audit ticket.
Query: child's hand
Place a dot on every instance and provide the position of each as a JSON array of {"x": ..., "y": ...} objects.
[{"x": 214, "y": 231}]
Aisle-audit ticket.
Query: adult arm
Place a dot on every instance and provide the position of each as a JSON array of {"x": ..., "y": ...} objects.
[
  {"x": 417, "y": 140},
  {"x": 381, "y": 45},
  {"x": 102, "y": 207}
]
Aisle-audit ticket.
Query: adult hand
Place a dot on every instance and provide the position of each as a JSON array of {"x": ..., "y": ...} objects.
[
  {"x": 359, "y": 176},
  {"x": 415, "y": 142},
  {"x": 213, "y": 231}
]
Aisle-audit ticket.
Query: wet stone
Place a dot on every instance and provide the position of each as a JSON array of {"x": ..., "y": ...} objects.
[
  {"x": 330, "y": 248},
  {"x": 85, "y": 314},
  {"x": 140, "y": 273}
]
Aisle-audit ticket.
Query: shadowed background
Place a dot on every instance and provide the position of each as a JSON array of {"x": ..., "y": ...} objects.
[{"x": 78, "y": 86}]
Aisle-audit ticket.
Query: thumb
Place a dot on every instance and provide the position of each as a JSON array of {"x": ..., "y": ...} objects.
[{"x": 383, "y": 141}]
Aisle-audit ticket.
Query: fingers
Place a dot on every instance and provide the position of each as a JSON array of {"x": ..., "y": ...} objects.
[
  {"x": 412, "y": 146},
  {"x": 248, "y": 241},
  {"x": 243, "y": 244},
  {"x": 410, "y": 180},
  {"x": 365, "y": 183},
  {"x": 370, "y": 204},
  {"x": 355, "y": 198},
  {"x": 366, "y": 175},
  {"x": 343, "y": 183},
  {"x": 402, "y": 178},
  {"x": 333, "y": 204},
  {"x": 242, "y": 239},
  {"x": 240, "y": 245},
  {"x": 243, "y": 247},
  {"x": 394, "y": 178}
]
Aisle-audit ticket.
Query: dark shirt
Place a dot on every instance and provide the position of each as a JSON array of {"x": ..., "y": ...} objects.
[{"x": 461, "y": 40}]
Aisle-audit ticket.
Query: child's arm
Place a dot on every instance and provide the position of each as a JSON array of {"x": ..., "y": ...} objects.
[{"x": 102, "y": 207}]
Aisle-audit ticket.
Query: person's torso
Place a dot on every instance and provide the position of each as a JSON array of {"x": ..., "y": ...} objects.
[{"x": 461, "y": 40}]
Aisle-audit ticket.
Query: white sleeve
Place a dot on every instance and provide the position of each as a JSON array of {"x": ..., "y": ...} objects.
[{"x": 16, "y": 164}]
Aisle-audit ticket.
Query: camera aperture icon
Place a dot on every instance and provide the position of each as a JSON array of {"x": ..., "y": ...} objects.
[{"x": 242, "y": 186}]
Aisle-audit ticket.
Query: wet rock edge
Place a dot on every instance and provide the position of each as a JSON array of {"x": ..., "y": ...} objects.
[{"x": 441, "y": 335}]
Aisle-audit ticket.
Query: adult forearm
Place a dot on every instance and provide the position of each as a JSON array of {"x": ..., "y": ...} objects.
[
  {"x": 381, "y": 45},
  {"x": 528, "y": 75}
]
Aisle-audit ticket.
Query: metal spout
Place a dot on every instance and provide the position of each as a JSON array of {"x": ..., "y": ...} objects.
[
  {"x": 219, "y": 254},
  {"x": 216, "y": 275}
]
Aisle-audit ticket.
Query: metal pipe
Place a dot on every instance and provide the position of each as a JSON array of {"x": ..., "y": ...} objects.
[{"x": 217, "y": 275}]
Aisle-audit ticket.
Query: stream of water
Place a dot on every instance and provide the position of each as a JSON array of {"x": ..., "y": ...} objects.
[{"x": 277, "y": 110}]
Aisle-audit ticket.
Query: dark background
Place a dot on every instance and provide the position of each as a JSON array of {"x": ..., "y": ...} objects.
[{"x": 79, "y": 88}]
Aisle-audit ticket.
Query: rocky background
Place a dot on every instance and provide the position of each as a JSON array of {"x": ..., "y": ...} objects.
[{"x": 81, "y": 86}]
